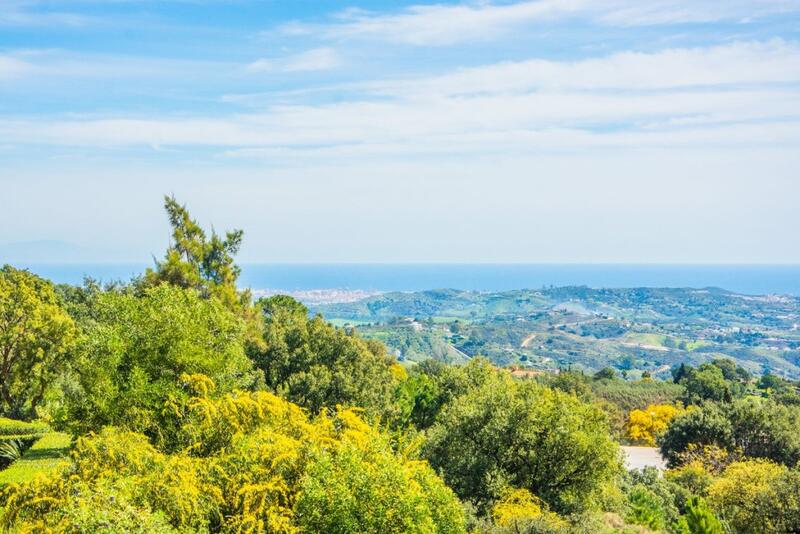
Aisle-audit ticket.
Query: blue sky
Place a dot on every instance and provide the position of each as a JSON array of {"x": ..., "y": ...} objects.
[{"x": 665, "y": 131}]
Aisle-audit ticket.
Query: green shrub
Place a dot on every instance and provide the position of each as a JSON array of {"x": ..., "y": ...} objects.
[
  {"x": 756, "y": 429},
  {"x": 645, "y": 508},
  {"x": 250, "y": 462},
  {"x": 700, "y": 520},
  {"x": 11, "y": 449},
  {"x": 11, "y": 427},
  {"x": 130, "y": 364},
  {"x": 527, "y": 436}
]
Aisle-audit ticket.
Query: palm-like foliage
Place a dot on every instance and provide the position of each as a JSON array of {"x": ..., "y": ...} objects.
[{"x": 11, "y": 449}]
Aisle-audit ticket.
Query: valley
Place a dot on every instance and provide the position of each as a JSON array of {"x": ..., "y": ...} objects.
[{"x": 640, "y": 331}]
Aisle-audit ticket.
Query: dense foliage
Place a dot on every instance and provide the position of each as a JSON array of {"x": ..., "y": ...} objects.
[
  {"x": 757, "y": 496},
  {"x": 758, "y": 429},
  {"x": 174, "y": 404},
  {"x": 523, "y": 435},
  {"x": 35, "y": 335},
  {"x": 128, "y": 369},
  {"x": 318, "y": 366},
  {"x": 249, "y": 462}
]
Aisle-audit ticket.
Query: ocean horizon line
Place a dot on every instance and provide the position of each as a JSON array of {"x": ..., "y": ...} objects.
[
  {"x": 424, "y": 263},
  {"x": 748, "y": 279}
]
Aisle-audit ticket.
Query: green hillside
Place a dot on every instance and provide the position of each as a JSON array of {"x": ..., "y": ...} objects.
[{"x": 634, "y": 330}]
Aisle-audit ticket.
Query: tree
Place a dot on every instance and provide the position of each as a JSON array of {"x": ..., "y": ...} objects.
[
  {"x": 774, "y": 383},
  {"x": 646, "y": 425},
  {"x": 705, "y": 426},
  {"x": 432, "y": 384},
  {"x": 757, "y": 496},
  {"x": 654, "y": 501},
  {"x": 130, "y": 367},
  {"x": 521, "y": 434},
  {"x": 606, "y": 373},
  {"x": 787, "y": 398},
  {"x": 35, "y": 336},
  {"x": 766, "y": 430},
  {"x": 206, "y": 264},
  {"x": 729, "y": 369},
  {"x": 194, "y": 260},
  {"x": 572, "y": 382},
  {"x": 699, "y": 519},
  {"x": 680, "y": 372},
  {"x": 706, "y": 383},
  {"x": 417, "y": 401},
  {"x": 318, "y": 366},
  {"x": 736, "y": 376},
  {"x": 756, "y": 429},
  {"x": 780, "y": 390},
  {"x": 645, "y": 508}
]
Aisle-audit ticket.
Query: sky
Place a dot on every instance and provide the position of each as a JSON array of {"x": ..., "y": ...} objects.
[{"x": 566, "y": 131}]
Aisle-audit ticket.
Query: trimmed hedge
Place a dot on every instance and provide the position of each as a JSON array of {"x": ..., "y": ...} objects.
[{"x": 10, "y": 428}]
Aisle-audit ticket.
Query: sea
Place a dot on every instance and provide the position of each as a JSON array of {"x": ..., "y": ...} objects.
[{"x": 744, "y": 279}]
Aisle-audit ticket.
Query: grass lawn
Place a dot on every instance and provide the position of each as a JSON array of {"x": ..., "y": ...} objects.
[{"x": 43, "y": 456}]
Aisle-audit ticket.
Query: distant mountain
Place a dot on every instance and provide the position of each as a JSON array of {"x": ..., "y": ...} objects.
[{"x": 45, "y": 251}]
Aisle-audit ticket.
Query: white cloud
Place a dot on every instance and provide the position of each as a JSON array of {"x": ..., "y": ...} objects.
[
  {"x": 532, "y": 120},
  {"x": 738, "y": 63},
  {"x": 632, "y": 13},
  {"x": 440, "y": 24},
  {"x": 315, "y": 59},
  {"x": 58, "y": 64},
  {"x": 736, "y": 95},
  {"x": 579, "y": 160},
  {"x": 25, "y": 13},
  {"x": 517, "y": 143},
  {"x": 11, "y": 67}
]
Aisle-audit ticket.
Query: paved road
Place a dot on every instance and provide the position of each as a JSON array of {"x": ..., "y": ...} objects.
[{"x": 639, "y": 457}]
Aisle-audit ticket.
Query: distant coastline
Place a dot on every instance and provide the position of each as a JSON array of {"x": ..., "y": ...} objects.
[
  {"x": 319, "y": 296},
  {"x": 373, "y": 278}
]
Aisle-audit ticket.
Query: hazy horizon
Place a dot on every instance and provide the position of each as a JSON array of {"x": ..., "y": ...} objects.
[{"x": 387, "y": 277}]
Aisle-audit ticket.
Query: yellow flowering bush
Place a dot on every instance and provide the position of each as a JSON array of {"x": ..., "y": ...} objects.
[
  {"x": 246, "y": 462},
  {"x": 756, "y": 496},
  {"x": 644, "y": 426},
  {"x": 694, "y": 476},
  {"x": 518, "y": 506}
]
